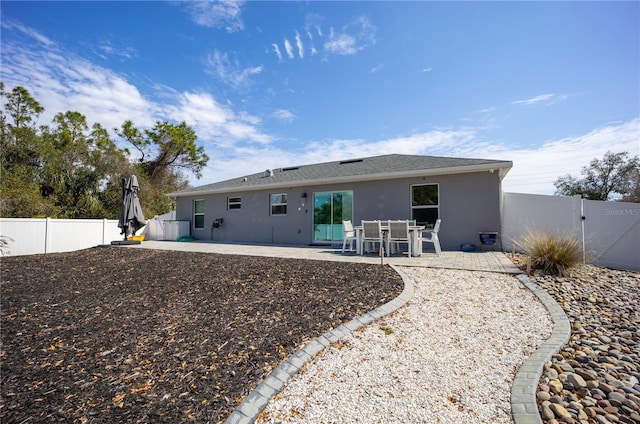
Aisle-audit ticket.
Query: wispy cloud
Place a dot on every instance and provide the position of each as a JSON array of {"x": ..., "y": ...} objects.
[
  {"x": 62, "y": 81},
  {"x": 223, "y": 14},
  {"x": 312, "y": 49},
  {"x": 547, "y": 99},
  {"x": 288, "y": 48},
  {"x": 8, "y": 24},
  {"x": 351, "y": 39},
  {"x": 230, "y": 71},
  {"x": 377, "y": 68},
  {"x": 429, "y": 69},
  {"x": 341, "y": 44},
  {"x": 108, "y": 49},
  {"x": 277, "y": 50},
  {"x": 299, "y": 45},
  {"x": 489, "y": 109},
  {"x": 283, "y": 115},
  {"x": 216, "y": 123},
  {"x": 313, "y": 23},
  {"x": 347, "y": 41},
  {"x": 104, "y": 49}
]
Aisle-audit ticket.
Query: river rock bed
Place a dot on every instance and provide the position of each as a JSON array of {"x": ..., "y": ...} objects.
[{"x": 595, "y": 377}]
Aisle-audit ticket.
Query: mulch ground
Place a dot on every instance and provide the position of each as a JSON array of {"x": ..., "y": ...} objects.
[{"x": 113, "y": 334}]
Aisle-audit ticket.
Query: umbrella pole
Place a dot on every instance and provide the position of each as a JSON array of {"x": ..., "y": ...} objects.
[{"x": 124, "y": 196}]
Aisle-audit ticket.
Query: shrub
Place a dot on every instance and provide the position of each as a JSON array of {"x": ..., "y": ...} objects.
[{"x": 552, "y": 253}]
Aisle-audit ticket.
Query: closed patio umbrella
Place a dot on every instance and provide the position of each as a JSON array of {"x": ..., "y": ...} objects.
[{"x": 131, "y": 216}]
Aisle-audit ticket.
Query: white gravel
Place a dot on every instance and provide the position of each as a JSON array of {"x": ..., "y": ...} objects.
[{"x": 448, "y": 356}]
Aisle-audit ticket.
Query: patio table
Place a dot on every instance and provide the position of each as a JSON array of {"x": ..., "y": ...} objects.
[{"x": 414, "y": 232}]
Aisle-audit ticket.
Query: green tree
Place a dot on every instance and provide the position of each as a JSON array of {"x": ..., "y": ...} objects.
[
  {"x": 69, "y": 170},
  {"x": 21, "y": 107},
  {"x": 19, "y": 144},
  {"x": 68, "y": 175},
  {"x": 20, "y": 156},
  {"x": 111, "y": 164},
  {"x": 83, "y": 169},
  {"x": 166, "y": 146},
  {"x": 166, "y": 152},
  {"x": 612, "y": 177},
  {"x": 634, "y": 193},
  {"x": 64, "y": 170}
]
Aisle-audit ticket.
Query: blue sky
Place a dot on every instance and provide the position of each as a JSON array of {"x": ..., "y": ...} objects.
[{"x": 547, "y": 85}]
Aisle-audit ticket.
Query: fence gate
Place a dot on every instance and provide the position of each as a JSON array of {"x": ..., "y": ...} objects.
[{"x": 612, "y": 233}]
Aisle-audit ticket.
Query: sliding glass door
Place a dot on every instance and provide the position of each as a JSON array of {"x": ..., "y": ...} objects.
[{"x": 329, "y": 210}]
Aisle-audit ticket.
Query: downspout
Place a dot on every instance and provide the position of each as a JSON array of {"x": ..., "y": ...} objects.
[{"x": 501, "y": 174}]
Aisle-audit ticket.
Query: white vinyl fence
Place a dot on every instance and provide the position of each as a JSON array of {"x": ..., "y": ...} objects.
[
  {"x": 155, "y": 229},
  {"x": 27, "y": 236},
  {"x": 612, "y": 233},
  {"x": 609, "y": 231}
]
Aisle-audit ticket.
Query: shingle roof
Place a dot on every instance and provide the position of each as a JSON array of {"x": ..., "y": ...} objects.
[{"x": 361, "y": 169}]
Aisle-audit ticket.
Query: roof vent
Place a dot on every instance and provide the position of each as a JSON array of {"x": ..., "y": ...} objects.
[
  {"x": 268, "y": 173},
  {"x": 344, "y": 162}
]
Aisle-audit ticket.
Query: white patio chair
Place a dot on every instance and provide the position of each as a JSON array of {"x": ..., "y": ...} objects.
[
  {"x": 398, "y": 233},
  {"x": 349, "y": 235},
  {"x": 431, "y": 236},
  {"x": 372, "y": 234}
]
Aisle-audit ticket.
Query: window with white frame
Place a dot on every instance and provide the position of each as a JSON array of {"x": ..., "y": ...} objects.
[
  {"x": 198, "y": 213},
  {"x": 425, "y": 204},
  {"x": 234, "y": 203},
  {"x": 279, "y": 204}
]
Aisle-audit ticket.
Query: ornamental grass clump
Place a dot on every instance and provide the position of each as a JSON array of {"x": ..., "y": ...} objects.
[{"x": 552, "y": 253}]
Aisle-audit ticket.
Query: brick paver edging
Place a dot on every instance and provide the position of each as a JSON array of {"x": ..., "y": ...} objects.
[
  {"x": 524, "y": 407},
  {"x": 255, "y": 402}
]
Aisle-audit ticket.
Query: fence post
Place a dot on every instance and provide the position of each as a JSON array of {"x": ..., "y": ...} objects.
[
  {"x": 47, "y": 235},
  {"x": 104, "y": 230},
  {"x": 578, "y": 229},
  {"x": 582, "y": 218}
]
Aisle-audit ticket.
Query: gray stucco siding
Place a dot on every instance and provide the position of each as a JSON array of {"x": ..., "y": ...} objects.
[
  {"x": 469, "y": 203},
  {"x": 252, "y": 222}
]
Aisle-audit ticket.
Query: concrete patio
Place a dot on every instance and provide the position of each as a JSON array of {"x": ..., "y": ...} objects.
[{"x": 474, "y": 261}]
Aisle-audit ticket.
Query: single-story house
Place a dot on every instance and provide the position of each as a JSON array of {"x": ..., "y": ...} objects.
[{"x": 306, "y": 204}]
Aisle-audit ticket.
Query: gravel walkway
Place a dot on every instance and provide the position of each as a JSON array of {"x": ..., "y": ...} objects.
[{"x": 448, "y": 356}]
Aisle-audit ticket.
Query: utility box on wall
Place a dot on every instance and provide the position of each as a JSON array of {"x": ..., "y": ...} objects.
[{"x": 173, "y": 230}]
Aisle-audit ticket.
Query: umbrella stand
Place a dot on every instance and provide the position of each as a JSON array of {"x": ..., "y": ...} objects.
[{"x": 125, "y": 242}]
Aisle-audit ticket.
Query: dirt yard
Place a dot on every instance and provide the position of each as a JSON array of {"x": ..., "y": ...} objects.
[{"x": 112, "y": 334}]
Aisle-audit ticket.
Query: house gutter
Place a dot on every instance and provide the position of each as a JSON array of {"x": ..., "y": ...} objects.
[{"x": 500, "y": 168}]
